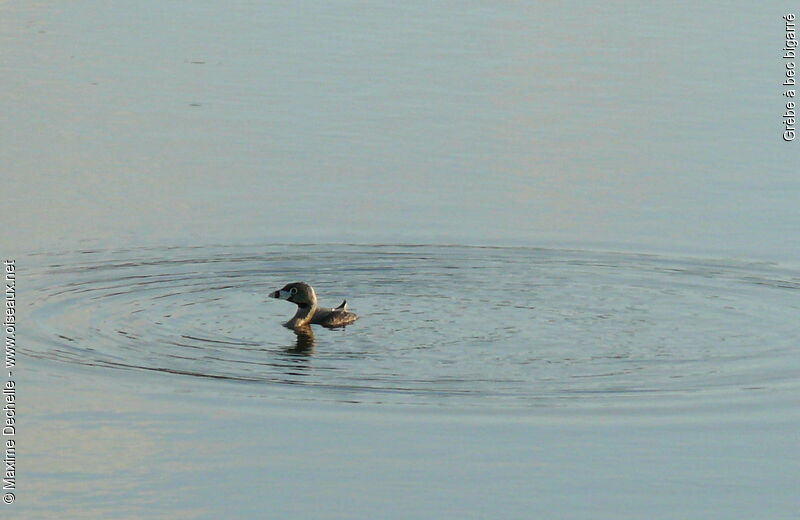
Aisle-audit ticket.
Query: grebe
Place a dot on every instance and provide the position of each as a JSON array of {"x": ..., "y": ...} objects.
[{"x": 303, "y": 295}]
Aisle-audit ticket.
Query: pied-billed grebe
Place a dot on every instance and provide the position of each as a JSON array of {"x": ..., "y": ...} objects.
[{"x": 303, "y": 295}]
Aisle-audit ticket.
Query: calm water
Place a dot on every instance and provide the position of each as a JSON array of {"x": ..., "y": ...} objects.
[
  {"x": 459, "y": 327},
  {"x": 616, "y": 338}
]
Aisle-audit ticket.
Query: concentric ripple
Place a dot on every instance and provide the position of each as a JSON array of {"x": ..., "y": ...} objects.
[{"x": 466, "y": 326}]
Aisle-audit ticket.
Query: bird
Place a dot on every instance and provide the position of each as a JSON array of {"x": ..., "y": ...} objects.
[{"x": 308, "y": 312}]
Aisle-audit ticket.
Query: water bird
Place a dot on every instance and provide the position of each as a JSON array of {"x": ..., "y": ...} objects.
[{"x": 308, "y": 312}]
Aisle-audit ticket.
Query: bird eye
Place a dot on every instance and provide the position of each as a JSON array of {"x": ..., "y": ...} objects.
[{"x": 293, "y": 290}]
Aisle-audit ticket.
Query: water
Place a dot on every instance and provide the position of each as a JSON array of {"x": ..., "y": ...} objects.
[
  {"x": 599, "y": 319},
  {"x": 445, "y": 326},
  {"x": 547, "y": 124}
]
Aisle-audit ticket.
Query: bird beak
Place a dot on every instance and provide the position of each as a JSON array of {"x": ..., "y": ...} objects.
[{"x": 281, "y": 295}]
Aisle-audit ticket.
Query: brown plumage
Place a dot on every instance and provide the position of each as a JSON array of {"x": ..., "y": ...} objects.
[{"x": 308, "y": 312}]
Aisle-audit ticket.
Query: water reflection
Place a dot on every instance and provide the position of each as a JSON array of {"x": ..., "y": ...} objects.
[{"x": 305, "y": 341}]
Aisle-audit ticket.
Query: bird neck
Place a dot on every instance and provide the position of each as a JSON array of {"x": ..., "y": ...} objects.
[{"x": 303, "y": 315}]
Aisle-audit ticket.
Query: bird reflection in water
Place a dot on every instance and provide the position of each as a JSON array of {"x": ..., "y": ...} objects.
[
  {"x": 305, "y": 341},
  {"x": 297, "y": 357}
]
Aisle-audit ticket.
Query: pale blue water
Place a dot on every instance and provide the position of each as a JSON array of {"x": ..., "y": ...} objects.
[{"x": 594, "y": 314}]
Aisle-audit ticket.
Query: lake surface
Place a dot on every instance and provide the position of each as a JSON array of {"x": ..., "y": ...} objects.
[
  {"x": 534, "y": 371},
  {"x": 457, "y": 327},
  {"x": 570, "y": 231}
]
